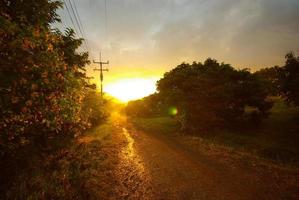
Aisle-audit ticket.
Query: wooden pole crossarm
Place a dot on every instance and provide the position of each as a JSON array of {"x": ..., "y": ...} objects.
[
  {"x": 104, "y": 70},
  {"x": 101, "y": 70}
]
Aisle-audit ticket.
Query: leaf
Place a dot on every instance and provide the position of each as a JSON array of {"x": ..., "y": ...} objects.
[
  {"x": 34, "y": 86},
  {"x": 29, "y": 103},
  {"x": 24, "y": 110},
  {"x": 27, "y": 44},
  {"x": 46, "y": 81},
  {"x": 36, "y": 32},
  {"x": 34, "y": 94},
  {"x": 45, "y": 74},
  {"x": 50, "y": 47},
  {"x": 14, "y": 100}
]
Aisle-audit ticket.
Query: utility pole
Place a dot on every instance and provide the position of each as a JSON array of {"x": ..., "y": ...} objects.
[{"x": 101, "y": 70}]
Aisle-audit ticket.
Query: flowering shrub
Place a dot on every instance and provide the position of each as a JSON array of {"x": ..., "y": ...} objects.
[{"x": 42, "y": 79}]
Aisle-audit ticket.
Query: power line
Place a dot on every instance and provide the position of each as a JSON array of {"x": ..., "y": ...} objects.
[
  {"x": 77, "y": 22},
  {"x": 63, "y": 23},
  {"x": 69, "y": 13},
  {"x": 101, "y": 63},
  {"x": 79, "y": 19},
  {"x": 106, "y": 20},
  {"x": 80, "y": 23},
  {"x": 105, "y": 43}
]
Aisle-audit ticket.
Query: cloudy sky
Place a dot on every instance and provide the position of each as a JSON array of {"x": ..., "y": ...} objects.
[{"x": 148, "y": 37}]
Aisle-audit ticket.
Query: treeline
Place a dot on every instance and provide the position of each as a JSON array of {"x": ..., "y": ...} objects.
[
  {"x": 45, "y": 96},
  {"x": 212, "y": 94}
]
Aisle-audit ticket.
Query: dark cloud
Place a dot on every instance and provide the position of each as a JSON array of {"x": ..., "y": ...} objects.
[{"x": 162, "y": 33}]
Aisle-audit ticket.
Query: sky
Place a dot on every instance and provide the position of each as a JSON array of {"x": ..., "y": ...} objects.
[{"x": 145, "y": 38}]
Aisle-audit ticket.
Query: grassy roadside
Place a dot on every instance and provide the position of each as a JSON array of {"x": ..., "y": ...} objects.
[
  {"x": 276, "y": 139},
  {"x": 82, "y": 170}
]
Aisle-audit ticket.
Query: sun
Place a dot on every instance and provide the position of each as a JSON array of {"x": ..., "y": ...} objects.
[{"x": 131, "y": 89}]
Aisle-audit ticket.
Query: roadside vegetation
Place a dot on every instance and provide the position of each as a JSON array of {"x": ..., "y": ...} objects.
[
  {"x": 55, "y": 133},
  {"x": 253, "y": 112},
  {"x": 276, "y": 139},
  {"x": 46, "y": 103}
]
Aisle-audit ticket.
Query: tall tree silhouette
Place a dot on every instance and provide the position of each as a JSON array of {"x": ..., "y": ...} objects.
[
  {"x": 289, "y": 79},
  {"x": 212, "y": 94}
]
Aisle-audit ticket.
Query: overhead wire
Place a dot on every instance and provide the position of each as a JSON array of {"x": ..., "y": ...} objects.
[
  {"x": 106, "y": 27},
  {"x": 77, "y": 22},
  {"x": 81, "y": 25},
  {"x": 70, "y": 16},
  {"x": 76, "y": 26},
  {"x": 106, "y": 20},
  {"x": 74, "y": 16}
]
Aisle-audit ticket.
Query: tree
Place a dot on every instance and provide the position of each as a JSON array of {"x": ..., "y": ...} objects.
[
  {"x": 289, "y": 79},
  {"x": 93, "y": 108},
  {"x": 270, "y": 77},
  {"x": 212, "y": 94},
  {"x": 147, "y": 106},
  {"x": 42, "y": 78}
]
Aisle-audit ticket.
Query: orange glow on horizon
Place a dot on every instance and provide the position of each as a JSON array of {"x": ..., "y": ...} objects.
[{"x": 131, "y": 88}]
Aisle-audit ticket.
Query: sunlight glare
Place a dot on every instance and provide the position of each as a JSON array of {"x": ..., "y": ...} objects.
[{"x": 131, "y": 89}]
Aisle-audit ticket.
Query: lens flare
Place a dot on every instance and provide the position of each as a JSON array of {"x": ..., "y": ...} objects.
[{"x": 173, "y": 111}]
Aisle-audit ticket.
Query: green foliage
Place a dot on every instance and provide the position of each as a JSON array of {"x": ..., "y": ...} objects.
[
  {"x": 270, "y": 77},
  {"x": 80, "y": 170},
  {"x": 212, "y": 94},
  {"x": 283, "y": 80},
  {"x": 156, "y": 125},
  {"x": 148, "y": 106},
  {"x": 93, "y": 108},
  {"x": 42, "y": 86},
  {"x": 42, "y": 77},
  {"x": 274, "y": 139},
  {"x": 289, "y": 79}
]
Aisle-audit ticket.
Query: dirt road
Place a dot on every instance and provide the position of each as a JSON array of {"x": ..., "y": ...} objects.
[{"x": 158, "y": 167}]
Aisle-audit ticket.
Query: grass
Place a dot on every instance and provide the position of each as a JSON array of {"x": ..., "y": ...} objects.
[
  {"x": 277, "y": 138},
  {"x": 78, "y": 171},
  {"x": 159, "y": 125}
]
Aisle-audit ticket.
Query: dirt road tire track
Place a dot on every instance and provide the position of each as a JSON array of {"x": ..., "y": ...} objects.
[{"x": 177, "y": 173}]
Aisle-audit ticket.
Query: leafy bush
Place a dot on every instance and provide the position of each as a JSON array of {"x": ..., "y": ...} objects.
[
  {"x": 289, "y": 79},
  {"x": 94, "y": 107},
  {"x": 42, "y": 85},
  {"x": 149, "y": 106},
  {"x": 212, "y": 94},
  {"x": 42, "y": 76},
  {"x": 283, "y": 80},
  {"x": 270, "y": 78}
]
